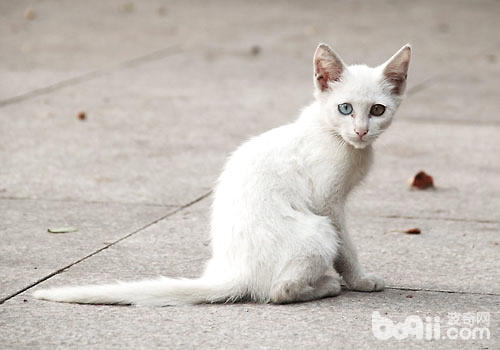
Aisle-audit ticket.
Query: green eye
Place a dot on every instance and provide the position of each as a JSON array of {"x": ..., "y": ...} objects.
[
  {"x": 345, "y": 108},
  {"x": 377, "y": 110}
]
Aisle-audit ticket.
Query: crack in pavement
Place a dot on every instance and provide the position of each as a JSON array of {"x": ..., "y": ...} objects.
[
  {"x": 169, "y": 214},
  {"x": 162, "y": 53},
  {"x": 479, "y": 221},
  {"x": 441, "y": 291},
  {"x": 413, "y": 90},
  {"x": 145, "y": 204},
  {"x": 148, "y": 204},
  {"x": 424, "y": 120},
  {"x": 155, "y": 55}
]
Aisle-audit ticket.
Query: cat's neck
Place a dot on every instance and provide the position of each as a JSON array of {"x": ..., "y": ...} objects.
[{"x": 336, "y": 166}]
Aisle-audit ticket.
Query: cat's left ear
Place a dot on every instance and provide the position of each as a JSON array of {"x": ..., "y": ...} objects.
[
  {"x": 396, "y": 69},
  {"x": 328, "y": 67}
]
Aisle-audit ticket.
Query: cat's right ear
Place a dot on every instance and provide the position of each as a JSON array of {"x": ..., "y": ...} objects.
[
  {"x": 396, "y": 69},
  {"x": 328, "y": 67}
]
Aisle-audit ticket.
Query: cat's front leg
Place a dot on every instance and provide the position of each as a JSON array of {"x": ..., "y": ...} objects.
[{"x": 347, "y": 265}]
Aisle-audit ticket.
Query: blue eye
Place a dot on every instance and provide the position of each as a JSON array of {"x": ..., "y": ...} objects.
[{"x": 345, "y": 108}]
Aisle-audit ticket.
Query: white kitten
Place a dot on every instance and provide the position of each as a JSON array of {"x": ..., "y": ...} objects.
[{"x": 277, "y": 223}]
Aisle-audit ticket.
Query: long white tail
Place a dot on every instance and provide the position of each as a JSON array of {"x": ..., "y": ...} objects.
[{"x": 161, "y": 292}]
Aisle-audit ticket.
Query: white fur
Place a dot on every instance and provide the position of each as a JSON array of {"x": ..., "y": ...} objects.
[{"x": 277, "y": 225}]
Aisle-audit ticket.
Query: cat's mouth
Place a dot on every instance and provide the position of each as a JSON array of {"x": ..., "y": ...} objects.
[{"x": 358, "y": 143}]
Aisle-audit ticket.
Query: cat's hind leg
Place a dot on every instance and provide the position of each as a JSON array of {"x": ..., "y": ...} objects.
[
  {"x": 304, "y": 280},
  {"x": 307, "y": 250},
  {"x": 327, "y": 286}
]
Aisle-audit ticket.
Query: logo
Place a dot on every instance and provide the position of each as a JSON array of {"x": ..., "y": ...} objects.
[{"x": 463, "y": 326}]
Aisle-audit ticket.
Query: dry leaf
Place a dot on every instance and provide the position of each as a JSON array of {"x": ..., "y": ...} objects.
[
  {"x": 413, "y": 231},
  {"x": 62, "y": 229},
  {"x": 29, "y": 14},
  {"x": 255, "y": 50},
  {"x": 127, "y": 7},
  {"x": 161, "y": 11},
  {"x": 310, "y": 30},
  {"x": 421, "y": 180}
]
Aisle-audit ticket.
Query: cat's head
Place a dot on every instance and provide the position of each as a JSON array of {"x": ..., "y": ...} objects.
[{"x": 358, "y": 102}]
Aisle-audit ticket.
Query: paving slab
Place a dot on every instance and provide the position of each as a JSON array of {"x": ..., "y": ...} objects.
[
  {"x": 128, "y": 148},
  {"x": 444, "y": 256},
  {"x": 464, "y": 166},
  {"x": 179, "y": 246},
  {"x": 37, "y": 54},
  {"x": 30, "y": 253}
]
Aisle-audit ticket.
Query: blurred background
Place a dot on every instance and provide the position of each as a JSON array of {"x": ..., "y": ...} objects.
[{"x": 159, "y": 79}]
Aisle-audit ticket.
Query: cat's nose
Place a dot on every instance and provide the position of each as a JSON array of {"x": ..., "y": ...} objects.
[{"x": 361, "y": 132}]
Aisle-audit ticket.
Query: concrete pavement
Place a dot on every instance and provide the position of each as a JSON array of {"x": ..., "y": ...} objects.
[{"x": 169, "y": 89}]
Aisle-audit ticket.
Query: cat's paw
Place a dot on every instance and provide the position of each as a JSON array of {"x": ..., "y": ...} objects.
[
  {"x": 327, "y": 286},
  {"x": 368, "y": 283}
]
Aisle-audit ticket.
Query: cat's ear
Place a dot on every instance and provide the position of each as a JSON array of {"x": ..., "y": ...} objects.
[
  {"x": 396, "y": 69},
  {"x": 328, "y": 67}
]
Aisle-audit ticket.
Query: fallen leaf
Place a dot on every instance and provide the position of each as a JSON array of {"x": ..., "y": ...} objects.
[
  {"x": 413, "y": 231},
  {"x": 127, "y": 7},
  {"x": 443, "y": 27},
  {"x": 310, "y": 30},
  {"x": 29, "y": 14},
  {"x": 492, "y": 58},
  {"x": 82, "y": 116},
  {"x": 421, "y": 181},
  {"x": 161, "y": 11},
  {"x": 255, "y": 50},
  {"x": 62, "y": 229}
]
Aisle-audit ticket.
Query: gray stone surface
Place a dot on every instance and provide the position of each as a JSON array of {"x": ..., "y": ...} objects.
[
  {"x": 464, "y": 166},
  {"x": 169, "y": 89},
  {"x": 179, "y": 246},
  {"x": 30, "y": 252},
  {"x": 341, "y": 322}
]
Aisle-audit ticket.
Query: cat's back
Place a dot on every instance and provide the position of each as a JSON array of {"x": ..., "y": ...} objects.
[
  {"x": 263, "y": 165},
  {"x": 269, "y": 150},
  {"x": 280, "y": 148}
]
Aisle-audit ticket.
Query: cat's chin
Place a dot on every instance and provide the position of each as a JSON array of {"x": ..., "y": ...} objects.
[{"x": 357, "y": 144}]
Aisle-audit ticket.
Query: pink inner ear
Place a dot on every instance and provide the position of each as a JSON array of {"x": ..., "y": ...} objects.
[
  {"x": 326, "y": 73},
  {"x": 397, "y": 80},
  {"x": 396, "y": 70},
  {"x": 323, "y": 81}
]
